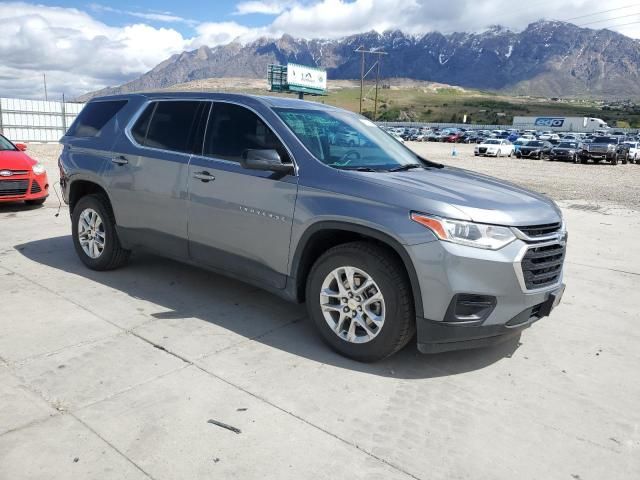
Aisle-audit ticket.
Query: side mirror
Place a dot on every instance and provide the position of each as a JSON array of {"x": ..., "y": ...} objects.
[
  {"x": 266, "y": 160},
  {"x": 21, "y": 146}
]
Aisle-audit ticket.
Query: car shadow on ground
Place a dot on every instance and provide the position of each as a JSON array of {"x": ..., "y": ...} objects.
[
  {"x": 186, "y": 292},
  {"x": 15, "y": 207}
]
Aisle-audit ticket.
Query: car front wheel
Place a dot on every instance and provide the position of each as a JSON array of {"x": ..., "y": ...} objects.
[
  {"x": 359, "y": 298},
  {"x": 94, "y": 234}
]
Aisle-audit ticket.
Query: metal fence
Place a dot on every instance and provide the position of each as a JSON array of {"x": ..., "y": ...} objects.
[
  {"x": 475, "y": 126},
  {"x": 36, "y": 120}
]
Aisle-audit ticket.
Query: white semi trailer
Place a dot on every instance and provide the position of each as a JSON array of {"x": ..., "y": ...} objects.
[{"x": 561, "y": 124}]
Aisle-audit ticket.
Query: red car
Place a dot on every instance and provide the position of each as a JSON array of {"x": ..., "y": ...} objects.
[
  {"x": 452, "y": 137},
  {"x": 21, "y": 177}
]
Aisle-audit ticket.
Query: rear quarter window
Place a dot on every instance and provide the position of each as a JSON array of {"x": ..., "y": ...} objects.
[{"x": 94, "y": 116}]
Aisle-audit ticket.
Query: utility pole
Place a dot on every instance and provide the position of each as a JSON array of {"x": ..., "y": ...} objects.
[
  {"x": 361, "y": 49},
  {"x": 363, "y": 74},
  {"x": 44, "y": 79},
  {"x": 375, "y": 102}
]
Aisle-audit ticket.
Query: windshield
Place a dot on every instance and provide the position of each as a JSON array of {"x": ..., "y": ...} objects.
[
  {"x": 492, "y": 142},
  {"x": 345, "y": 140},
  {"x": 534, "y": 144},
  {"x": 568, "y": 145},
  {"x": 6, "y": 144},
  {"x": 605, "y": 140}
]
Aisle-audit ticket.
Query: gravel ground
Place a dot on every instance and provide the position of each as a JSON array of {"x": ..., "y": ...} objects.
[{"x": 595, "y": 185}]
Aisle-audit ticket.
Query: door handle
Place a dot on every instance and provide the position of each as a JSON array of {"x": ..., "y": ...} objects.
[
  {"x": 120, "y": 160},
  {"x": 204, "y": 176}
]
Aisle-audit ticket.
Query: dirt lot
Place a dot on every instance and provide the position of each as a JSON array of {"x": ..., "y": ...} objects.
[
  {"x": 591, "y": 185},
  {"x": 115, "y": 375}
]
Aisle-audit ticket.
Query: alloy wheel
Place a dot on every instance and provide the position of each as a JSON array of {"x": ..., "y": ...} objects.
[
  {"x": 91, "y": 233},
  {"x": 352, "y": 304}
]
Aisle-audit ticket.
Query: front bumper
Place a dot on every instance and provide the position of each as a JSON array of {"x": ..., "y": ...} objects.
[
  {"x": 529, "y": 154},
  {"x": 18, "y": 188},
  {"x": 445, "y": 270}
]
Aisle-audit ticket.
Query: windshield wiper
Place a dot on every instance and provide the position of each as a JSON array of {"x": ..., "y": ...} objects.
[
  {"x": 356, "y": 169},
  {"x": 403, "y": 168}
]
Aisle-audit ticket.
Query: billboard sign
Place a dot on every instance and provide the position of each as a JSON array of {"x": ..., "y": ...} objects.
[
  {"x": 549, "y": 122},
  {"x": 300, "y": 77}
]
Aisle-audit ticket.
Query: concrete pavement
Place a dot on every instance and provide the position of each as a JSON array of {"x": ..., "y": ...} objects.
[{"x": 115, "y": 375}]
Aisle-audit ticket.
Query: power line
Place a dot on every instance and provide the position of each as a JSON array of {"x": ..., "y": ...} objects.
[
  {"x": 598, "y": 13},
  {"x": 609, "y": 19},
  {"x": 618, "y": 25}
]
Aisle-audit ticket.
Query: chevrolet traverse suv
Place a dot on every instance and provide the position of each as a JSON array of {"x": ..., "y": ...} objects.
[{"x": 383, "y": 246}]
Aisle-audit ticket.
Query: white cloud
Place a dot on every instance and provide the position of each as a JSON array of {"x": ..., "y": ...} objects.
[
  {"x": 76, "y": 51},
  {"x": 220, "y": 33},
  {"x": 152, "y": 15},
  {"x": 265, "y": 8},
  {"x": 79, "y": 53}
]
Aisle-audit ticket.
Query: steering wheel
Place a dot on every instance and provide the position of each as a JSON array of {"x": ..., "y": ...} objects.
[{"x": 345, "y": 158}]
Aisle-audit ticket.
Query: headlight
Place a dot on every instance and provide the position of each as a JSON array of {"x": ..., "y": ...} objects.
[
  {"x": 38, "y": 169},
  {"x": 480, "y": 235}
]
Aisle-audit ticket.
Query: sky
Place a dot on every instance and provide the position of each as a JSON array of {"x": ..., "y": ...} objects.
[{"x": 83, "y": 46}]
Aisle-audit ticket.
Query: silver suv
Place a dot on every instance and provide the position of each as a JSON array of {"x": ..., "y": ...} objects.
[{"x": 381, "y": 243}]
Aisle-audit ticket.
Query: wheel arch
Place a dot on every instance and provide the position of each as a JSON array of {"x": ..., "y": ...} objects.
[
  {"x": 323, "y": 235},
  {"x": 81, "y": 187}
]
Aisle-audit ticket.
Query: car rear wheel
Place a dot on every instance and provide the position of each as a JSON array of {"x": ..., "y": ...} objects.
[
  {"x": 94, "y": 234},
  {"x": 359, "y": 298}
]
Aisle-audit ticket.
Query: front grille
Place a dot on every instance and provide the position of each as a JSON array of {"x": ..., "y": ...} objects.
[
  {"x": 13, "y": 188},
  {"x": 35, "y": 187},
  {"x": 534, "y": 231},
  {"x": 482, "y": 150},
  {"x": 17, "y": 172},
  {"x": 542, "y": 266}
]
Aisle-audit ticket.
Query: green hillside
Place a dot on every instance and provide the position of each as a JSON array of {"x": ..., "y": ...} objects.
[{"x": 451, "y": 104}]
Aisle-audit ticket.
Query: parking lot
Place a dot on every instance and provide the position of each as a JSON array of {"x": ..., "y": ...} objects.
[{"x": 117, "y": 374}]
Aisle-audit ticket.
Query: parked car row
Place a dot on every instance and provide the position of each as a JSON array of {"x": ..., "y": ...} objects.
[{"x": 614, "y": 147}]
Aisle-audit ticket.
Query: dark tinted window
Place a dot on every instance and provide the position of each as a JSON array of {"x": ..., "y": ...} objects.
[
  {"x": 232, "y": 129},
  {"x": 175, "y": 126},
  {"x": 139, "y": 130},
  {"x": 6, "y": 144},
  {"x": 94, "y": 116}
]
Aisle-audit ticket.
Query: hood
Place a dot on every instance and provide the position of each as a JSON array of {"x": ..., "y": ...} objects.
[
  {"x": 15, "y": 160},
  {"x": 467, "y": 195}
]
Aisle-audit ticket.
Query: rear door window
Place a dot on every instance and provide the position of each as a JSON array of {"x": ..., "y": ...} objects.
[
  {"x": 94, "y": 116},
  {"x": 172, "y": 125}
]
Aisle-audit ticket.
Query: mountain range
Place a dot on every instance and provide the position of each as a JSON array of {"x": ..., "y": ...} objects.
[{"x": 548, "y": 58}]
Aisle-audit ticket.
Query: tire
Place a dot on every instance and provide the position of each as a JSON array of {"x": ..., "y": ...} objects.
[
  {"x": 575, "y": 158},
  {"x": 584, "y": 160},
  {"x": 112, "y": 254},
  {"x": 390, "y": 280},
  {"x": 519, "y": 155},
  {"x": 614, "y": 160},
  {"x": 625, "y": 159},
  {"x": 38, "y": 201}
]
